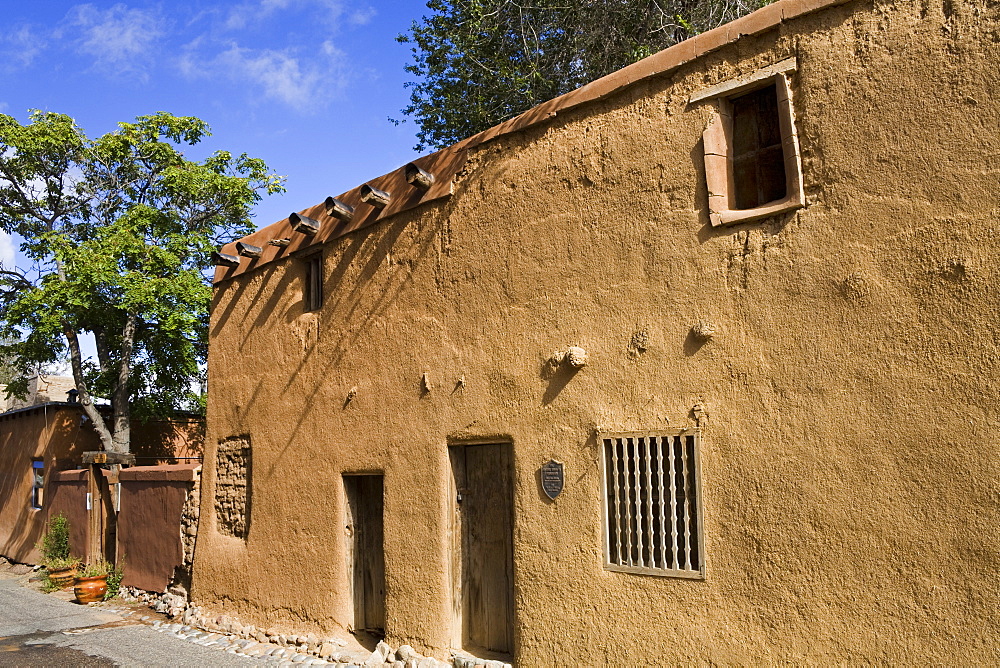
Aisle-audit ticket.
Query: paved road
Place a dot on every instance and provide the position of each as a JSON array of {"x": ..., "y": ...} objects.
[{"x": 41, "y": 630}]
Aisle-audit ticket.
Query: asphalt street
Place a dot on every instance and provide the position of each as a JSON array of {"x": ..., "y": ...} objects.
[{"x": 42, "y": 630}]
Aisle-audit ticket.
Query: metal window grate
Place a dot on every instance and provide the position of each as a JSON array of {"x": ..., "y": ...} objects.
[{"x": 653, "y": 504}]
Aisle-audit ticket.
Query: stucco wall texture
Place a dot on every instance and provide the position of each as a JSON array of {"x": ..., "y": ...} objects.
[{"x": 847, "y": 401}]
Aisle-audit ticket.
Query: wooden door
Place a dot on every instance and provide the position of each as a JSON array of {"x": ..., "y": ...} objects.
[
  {"x": 365, "y": 551},
  {"x": 484, "y": 538}
]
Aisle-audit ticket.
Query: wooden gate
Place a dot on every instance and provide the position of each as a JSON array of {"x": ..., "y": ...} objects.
[
  {"x": 365, "y": 551},
  {"x": 482, "y": 546}
]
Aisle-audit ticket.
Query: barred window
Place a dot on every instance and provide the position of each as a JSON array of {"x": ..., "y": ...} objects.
[
  {"x": 653, "y": 504},
  {"x": 314, "y": 282}
]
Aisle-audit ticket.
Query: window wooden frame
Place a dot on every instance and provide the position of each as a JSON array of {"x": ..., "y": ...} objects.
[
  {"x": 718, "y": 146},
  {"x": 665, "y": 509},
  {"x": 312, "y": 293},
  {"x": 37, "y": 483}
]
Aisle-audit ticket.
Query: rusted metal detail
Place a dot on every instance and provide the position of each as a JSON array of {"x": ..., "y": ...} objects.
[
  {"x": 418, "y": 178},
  {"x": 339, "y": 210},
  {"x": 304, "y": 224},
  {"x": 377, "y": 198}
]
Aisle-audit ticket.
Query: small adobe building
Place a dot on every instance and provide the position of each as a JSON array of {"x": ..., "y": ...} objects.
[
  {"x": 697, "y": 363},
  {"x": 42, "y": 443}
]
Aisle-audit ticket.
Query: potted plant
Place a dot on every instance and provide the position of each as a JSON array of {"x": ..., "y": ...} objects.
[
  {"x": 91, "y": 583},
  {"x": 60, "y": 567},
  {"x": 98, "y": 581},
  {"x": 61, "y": 571}
]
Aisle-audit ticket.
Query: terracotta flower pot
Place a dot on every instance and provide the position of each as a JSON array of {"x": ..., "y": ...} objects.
[
  {"x": 62, "y": 577},
  {"x": 90, "y": 590}
]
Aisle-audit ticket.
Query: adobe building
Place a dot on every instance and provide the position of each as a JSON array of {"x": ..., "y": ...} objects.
[
  {"x": 695, "y": 364},
  {"x": 35, "y": 441},
  {"x": 41, "y": 440}
]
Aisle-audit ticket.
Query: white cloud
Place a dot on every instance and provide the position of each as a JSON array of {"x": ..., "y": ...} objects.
[
  {"x": 304, "y": 78},
  {"x": 20, "y": 47},
  {"x": 120, "y": 39},
  {"x": 362, "y": 17},
  {"x": 3, "y": 107},
  {"x": 280, "y": 75},
  {"x": 6, "y": 251},
  {"x": 330, "y": 49},
  {"x": 256, "y": 12}
]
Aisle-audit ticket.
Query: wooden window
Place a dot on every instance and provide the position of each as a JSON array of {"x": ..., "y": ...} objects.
[
  {"x": 653, "y": 516},
  {"x": 37, "y": 483},
  {"x": 313, "y": 294},
  {"x": 758, "y": 163},
  {"x": 752, "y": 164}
]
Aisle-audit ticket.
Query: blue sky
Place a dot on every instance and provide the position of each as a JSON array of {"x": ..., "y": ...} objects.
[{"x": 307, "y": 85}]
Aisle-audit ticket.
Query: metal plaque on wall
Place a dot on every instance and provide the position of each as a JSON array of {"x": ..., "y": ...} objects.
[{"x": 552, "y": 478}]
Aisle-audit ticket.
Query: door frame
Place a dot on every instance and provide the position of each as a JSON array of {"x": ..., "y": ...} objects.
[
  {"x": 352, "y": 499},
  {"x": 457, "y": 535}
]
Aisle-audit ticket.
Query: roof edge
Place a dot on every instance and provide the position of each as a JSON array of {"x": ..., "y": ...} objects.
[
  {"x": 660, "y": 63},
  {"x": 450, "y": 160}
]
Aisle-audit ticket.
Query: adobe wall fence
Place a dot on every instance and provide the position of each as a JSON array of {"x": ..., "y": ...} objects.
[
  {"x": 39, "y": 442},
  {"x": 156, "y": 523}
]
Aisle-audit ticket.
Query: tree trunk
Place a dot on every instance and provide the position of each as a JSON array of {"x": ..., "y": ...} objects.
[
  {"x": 120, "y": 396},
  {"x": 76, "y": 362},
  {"x": 119, "y": 441}
]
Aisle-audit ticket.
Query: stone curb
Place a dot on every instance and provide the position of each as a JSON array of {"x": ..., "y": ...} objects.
[{"x": 272, "y": 647}]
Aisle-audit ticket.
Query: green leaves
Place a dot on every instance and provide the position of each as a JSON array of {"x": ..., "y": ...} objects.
[
  {"x": 119, "y": 230},
  {"x": 480, "y": 62}
]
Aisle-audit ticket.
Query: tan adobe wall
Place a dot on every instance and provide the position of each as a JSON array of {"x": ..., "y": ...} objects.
[
  {"x": 847, "y": 401},
  {"x": 168, "y": 442}
]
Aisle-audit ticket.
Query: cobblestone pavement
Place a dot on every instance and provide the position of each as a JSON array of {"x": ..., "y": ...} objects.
[
  {"x": 39, "y": 629},
  {"x": 47, "y": 630}
]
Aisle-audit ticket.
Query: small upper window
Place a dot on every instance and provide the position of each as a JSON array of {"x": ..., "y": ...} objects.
[
  {"x": 313, "y": 294},
  {"x": 752, "y": 163},
  {"x": 37, "y": 483},
  {"x": 758, "y": 164}
]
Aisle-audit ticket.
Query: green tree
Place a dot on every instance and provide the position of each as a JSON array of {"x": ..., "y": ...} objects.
[
  {"x": 480, "y": 62},
  {"x": 7, "y": 369},
  {"x": 119, "y": 232}
]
